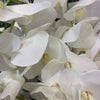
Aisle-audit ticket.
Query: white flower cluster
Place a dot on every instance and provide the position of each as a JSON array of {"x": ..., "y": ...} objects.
[{"x": 55, "y": 40}]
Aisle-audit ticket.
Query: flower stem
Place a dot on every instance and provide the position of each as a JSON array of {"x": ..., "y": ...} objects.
[
  {"x": 12, "y": 25},
  {"x": 68, "y": 6},
  {"x": 25, "y": 70},
  {"x": 72, "y": 22},
  {"x": 18, "y": 2},
  {"x": 7, "y": 2}
]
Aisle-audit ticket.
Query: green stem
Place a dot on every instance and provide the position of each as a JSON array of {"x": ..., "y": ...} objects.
[
  {"x": 17, "y": 67},
  {"x": 7, "y": 1},
  {"x": 12, "y": 25},
  {"x": 18, "y": 2},
  {"x": 68, "y": 6},
  {"x": 72, "y": 22}
]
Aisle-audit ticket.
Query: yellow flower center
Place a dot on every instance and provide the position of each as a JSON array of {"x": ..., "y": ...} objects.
[
  {"x": 87, "y": 95},
  {"x": 79, "y": 12},
  {"x": 84, "y": 49},
  {"x": 68, "y": 65},
  {"x": 57, "y": 4},
  {"x": 45, "y": 58},
  {"x": 1, "y": 5}
]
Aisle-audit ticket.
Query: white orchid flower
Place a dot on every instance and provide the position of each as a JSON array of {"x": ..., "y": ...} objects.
[
  {"x": 25, "y": 51},
  {"x": 78, "y": 11},
  {"x": 45, "y": 17},
  {"x": 81, "y": 35},
  {"x": 10, "y": 85},
  {"x": 53, "y": 50},
  {"x": 46, "y": 91},
  {"x": 22, "y": 13},
  {"x": 31, "y": 49},
  {"x": 79, "y": 63},
  {"x": 84, "y": 86}
]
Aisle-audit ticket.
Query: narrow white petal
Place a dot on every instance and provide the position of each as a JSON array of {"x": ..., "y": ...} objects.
[
  {"x": 7, "y": 15},
  {"x": 29, "y": 9},
  {"x": 95, "y": 49},
  {"x": 11, "y": 90},
  {"x": 47, "y": 71},
  {"x": 97, "y": 29}
]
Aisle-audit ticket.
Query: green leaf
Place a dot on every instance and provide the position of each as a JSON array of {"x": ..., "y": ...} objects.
[
  {"x": 20, "y": 97},
  {"x": 25, "y": 90}
]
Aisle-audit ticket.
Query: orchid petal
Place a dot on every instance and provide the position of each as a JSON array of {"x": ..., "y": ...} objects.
[
  {"x": 47, "y": 71},
  {"x": 9, "y": 43},
  {"x": 35, "y": 70},
  {"x": 7, "y": 15},
  {"x": 29, "y": 9},
  {"x": 70, "y": 15},
  {"x": 55, "y": 49},
  {"x": 90, "y": 82},
  {"x": 11, "y": 90},
  {"x": 80, "y": 63},
  {"x": 45, "y": 92},
  {"x": 94, "y": 50},
  {"x": 69, "y": 79},
  {"x": 42, "y": 18},
  {"x": 53, "y": 2},
  {"x": 77, "y": 37},
  {"x": 60, "y": 31},
  {"x": 32, "y": 50}
]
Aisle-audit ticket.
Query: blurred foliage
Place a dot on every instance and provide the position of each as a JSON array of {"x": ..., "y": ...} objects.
[
  {"x": 4, "y": 24},
  {"x": 11, "y": 2},
  {"x": 20, "y": 97},
  {"x": 72, "y": 0}
]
